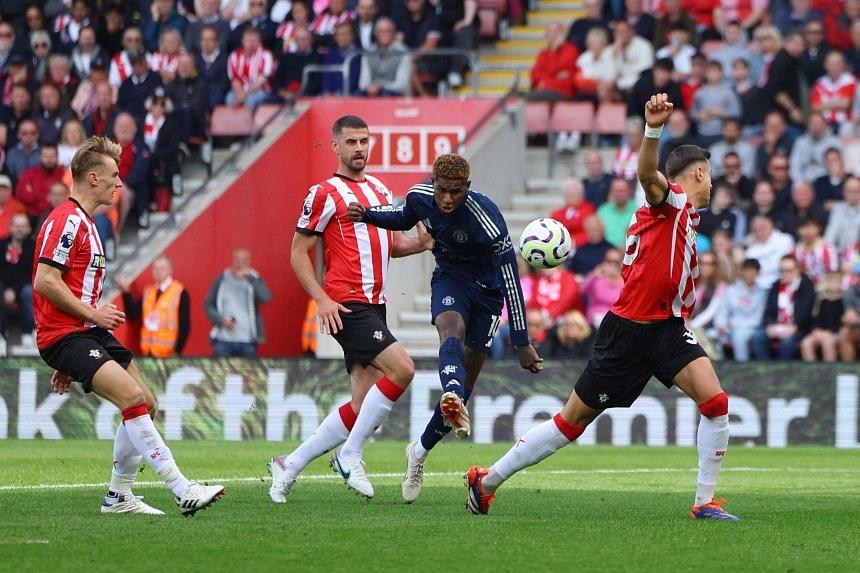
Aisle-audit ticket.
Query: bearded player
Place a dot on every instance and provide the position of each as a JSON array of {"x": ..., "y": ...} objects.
[{"x": 643, "y": 335}]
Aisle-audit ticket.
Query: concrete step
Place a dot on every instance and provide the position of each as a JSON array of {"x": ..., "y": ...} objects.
[
  {"x": 528, "y": 33},
  {"x": 485, "y": 90},
  {"x": 422, "y": 351},
  {"x": 564, "y": 16},
  {"x": 544, "y": 185},
  {"x": 509, "y": 62},
  {"x": 421, "y": 302},
  {"x": 562, "y": 5},
  {"x": 425, "y": 337},
  {"x": 414, "y": 318},
  {"x": 501, "y": 77},
  {"x": 522, "y": 218},
  {"x": 526, "y": 46},
  {"x": 536, "y": 201}
]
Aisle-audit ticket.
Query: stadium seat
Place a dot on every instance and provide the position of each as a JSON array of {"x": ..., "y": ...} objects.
[
  {"x": 573, "y": 116},
  {"x": 231, "y": 121},
  {"x": 537, "y": 117},
  {"x": 264, "y": 113},
  {"x": 610, "y": 119}
]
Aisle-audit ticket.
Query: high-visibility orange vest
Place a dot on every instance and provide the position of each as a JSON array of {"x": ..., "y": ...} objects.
[
  {"x": 310, "y": 328},
  {"x": 160, "y": 320}
]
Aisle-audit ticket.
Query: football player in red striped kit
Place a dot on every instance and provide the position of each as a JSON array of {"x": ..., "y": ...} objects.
[{"x": 644, "y": 334}]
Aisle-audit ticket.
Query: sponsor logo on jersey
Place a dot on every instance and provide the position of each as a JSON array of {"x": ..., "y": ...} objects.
[
  {"x": 377, "y": 335},
  {"x": 449, "y": 369},
  {"x": 448, "y": 300},
  {"x": 98, "y": 262},
  {"x": 502, "y": 246}
]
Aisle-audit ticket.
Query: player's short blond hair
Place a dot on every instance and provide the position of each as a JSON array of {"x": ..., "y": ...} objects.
[
  {"x": 91, "y": 155},
  {"x": 451, "y": 166}
]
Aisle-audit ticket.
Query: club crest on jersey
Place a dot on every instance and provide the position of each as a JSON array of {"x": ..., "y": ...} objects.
[
  {"x": 460, "y": 236},
  {"x": 449, "y": 369},
  {"x": 603, "y": 398},
  {"x": 692, "y": 234},
  {"x": 448, "y": 300},
  {"x": 95, "y": 353},
  {"x": 377, "y": 335},
  {"x": 98, "y": 262}
]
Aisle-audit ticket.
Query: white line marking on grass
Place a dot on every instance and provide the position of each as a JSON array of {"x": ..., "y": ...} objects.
[
  {"x": 24, "y": 542},
  {"x": 329, "y": 476}
]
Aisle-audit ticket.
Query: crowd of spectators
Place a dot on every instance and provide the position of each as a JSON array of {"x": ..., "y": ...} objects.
[{"x": 770, "y": 89}]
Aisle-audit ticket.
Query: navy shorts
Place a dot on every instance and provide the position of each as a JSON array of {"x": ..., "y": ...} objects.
[{"x": 480, "y": 307}]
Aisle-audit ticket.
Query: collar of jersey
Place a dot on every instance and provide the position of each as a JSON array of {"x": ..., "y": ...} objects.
[{"x": 342, "y": 176}]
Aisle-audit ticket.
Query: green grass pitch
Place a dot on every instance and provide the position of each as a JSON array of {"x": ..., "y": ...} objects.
[{"x": 584, "y": 509}]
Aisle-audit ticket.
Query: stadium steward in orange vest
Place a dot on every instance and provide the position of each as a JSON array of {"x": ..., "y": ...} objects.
[{"x": 165, "y": 309}]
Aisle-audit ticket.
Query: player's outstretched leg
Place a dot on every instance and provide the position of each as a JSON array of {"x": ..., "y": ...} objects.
[
  {"x": 330, "y": 434},
  {"x": 452, "y": 375},
  {"x": 126, "y": 461},
  {"x": 698, "y": 380}
]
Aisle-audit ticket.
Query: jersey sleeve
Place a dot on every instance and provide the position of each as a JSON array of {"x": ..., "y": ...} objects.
[
  {"x": 317, "y": 211},
  {"x": 676, "y": 198},
  {"x": 393, "y": 218},
  {"x": 60, "y": 241}
]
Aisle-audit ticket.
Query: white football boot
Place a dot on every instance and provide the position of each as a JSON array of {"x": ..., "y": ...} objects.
[
  {"x": 353, "y": 475},
  {"x": 414, "y": 477},
  {"x": 198, "y": 496},
  {"x": 127, "y": 503},
  {"x": 282, "y": 480}
]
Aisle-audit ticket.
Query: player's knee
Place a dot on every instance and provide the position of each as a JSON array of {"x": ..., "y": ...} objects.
[
  {"x": 133, "y": 397},
  {"x": 716, "y": 406},
  {"x": 405, "y": 372},
  {"x": 152, "y": 406}
]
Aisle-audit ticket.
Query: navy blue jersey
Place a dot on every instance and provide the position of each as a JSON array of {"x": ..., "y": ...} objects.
[{"x": 472, "y": 244}]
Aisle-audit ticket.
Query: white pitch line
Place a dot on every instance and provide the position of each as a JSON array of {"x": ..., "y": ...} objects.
[{"x": 331, "y": 476}]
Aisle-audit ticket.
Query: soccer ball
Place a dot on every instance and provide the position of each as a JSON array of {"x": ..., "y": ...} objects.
[{"x": 545, "y": 243}]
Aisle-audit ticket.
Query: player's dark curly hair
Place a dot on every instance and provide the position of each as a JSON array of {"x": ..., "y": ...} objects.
[
  {"x": 682, "y": 157},
  {"x": 451, "y": 166},
  {"x": 348, "y": 121}
]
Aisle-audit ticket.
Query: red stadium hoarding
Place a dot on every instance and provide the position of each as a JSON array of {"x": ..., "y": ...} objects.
[{"x": 261, "y": 207}]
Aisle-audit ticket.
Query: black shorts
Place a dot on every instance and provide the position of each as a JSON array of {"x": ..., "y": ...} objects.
[
  {"x": 364, "y": 335},
  {"x": 81, "y": 354},
  {"x": 627, "y": 354}
]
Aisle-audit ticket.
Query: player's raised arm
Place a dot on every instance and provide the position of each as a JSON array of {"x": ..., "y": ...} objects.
[
  {"x": 657, "y": 111},
  {"x": 400, "y": 218}
]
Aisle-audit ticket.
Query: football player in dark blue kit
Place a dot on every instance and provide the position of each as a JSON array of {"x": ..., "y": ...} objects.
[{"x": 476, "y": 269}]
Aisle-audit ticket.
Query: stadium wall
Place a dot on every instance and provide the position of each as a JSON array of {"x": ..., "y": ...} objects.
[{"x": 772, "y": 405}]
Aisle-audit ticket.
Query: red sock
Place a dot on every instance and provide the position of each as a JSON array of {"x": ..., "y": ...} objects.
[
  {"x": 389, "y": 389},
  {"x": 347, "y": 415},
  {"x": 570, "y": 431},
  {"x": 135, "y": 411}
]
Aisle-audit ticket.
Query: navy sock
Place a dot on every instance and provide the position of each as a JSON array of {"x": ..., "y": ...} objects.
[
  {"x": 437, "y": 428},
  {"x": 451, "y": 372}
]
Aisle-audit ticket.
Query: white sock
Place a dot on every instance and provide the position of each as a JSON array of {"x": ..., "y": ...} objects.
[
  {"x": 126, "y": 461},
  {"x": 147, "y": 440},
  {"x": 418, "y": 450},
  {"x": 712, "y": 440},
  {"x": 330, "y": 434},
  {"x": 538, "y": 443},
  {"x": 374, "y": 409}
]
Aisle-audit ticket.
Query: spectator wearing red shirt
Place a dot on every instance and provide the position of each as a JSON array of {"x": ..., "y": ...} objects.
[
  {"x": 553, "y": 75},
  {"x": 35, "y": 182},
  {"x": 748, "y": 12},
  {"x": 702, "y": 11},
  {"x": 250, "y": 69},
  {"x": 575, "y": 210},
  {"x": 9, "y": 206},
  {"x": 833, "y": 93},
  {"x": 556, "y": 293}
]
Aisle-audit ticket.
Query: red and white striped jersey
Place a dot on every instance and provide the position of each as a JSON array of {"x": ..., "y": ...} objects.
[
  {"x": 326, "y": 22},
  {"x": 819, "y": 259},
  {"x": 625, "y": 162},
  {"x": 68, "y": 241},
  {"x": 356, "y": 254},
  {"x": 120, "y": 68},
  {"x": 248, "y": 67},
  {"x": 286, "y": 32},
  {"x": 164, "y": 62},
  {"x": 660, "y": 261},
  {"x": 825, "y": 90}
]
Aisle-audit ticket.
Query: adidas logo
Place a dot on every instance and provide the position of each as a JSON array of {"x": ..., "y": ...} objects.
[{"x": 189, "y": 503}]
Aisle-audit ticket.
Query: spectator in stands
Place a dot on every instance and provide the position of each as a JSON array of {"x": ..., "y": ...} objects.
[
  {"x": 679, "y": 50},
  {"x": 537, "y": 328},
  {"x": 713, "y": 103},
  {"x": 711, "y": 290},
  {"x": 208, "y": 15},
  {"x": 731, "y": 142},
  {"x": 165, "y": 308},
  {"x": 212, "y": 65},
  {"x": 34, "y": 19},
  {"x": 778, "y": 176},
  {"x": 764, "y": 204},
  {"x": 57, "y": 194},
  {"x": 642, "y": 21},
  {"x": 678, "y": 128},
  {"x": 803, "y": 206},
  {"x": 72, "y": 137},
  {"x": 300, "y": 17},
  {"x": 25, "y": 153},
  {"x": 110, "y": 30},
  {"x": 815, "y": 256},
  {"x": 729, "y": 255},
  {"x": 849, "y": 334},
  {"x": 749, "y": 95},
  {"x": 366, "y": 15},
  {"x": 602, "y": 287},
  {"x": 34, "y": 183},
  {"x": 828, "y": 188},
  {"x": 234, "y": 11},
  {"x": 741, "y": 185},
  {"x": 67, "y": 27},
  {"x": 100, "y": 121},
  {"x": 749, "y": 14},
  {"x": 163, "y": 15},
  {"x": 721, "y": 214},
  {"x": 596, "y": 67},
  {"x": 570, "y": 338},
  {"x": 627, "y": 156},
  {"x": 575, "y": 210},
  {"x": 787, "y": 314},
  {"x": 674, "y": 14},
  {"x": 776, "y": 139},
  {"x": 553, "y": 75},
  {"x": 165, "y": 60},
  {"x": 657, "y": 80},
  {"x": 139, "y": 86},
  {"x": 52, "y": 115},
  {"x": 768, "y": 245},
  {"x": 596, "y": 181},
  {"x": 344, "y": 47},
  {"x": 418, "y": 29},
  {"x": 133, "y": 170},
  {"x": 840, "y": 24},
  {"x": 740, "y": 315},
  {"x": 556, "y": 293},
  {"x": 120, "y": 66},
  {"x": 61, "y": 76},
  {"x": 826, "y": 321},
  {"x": 11, "y": 117},
  {"x": 7, "y": 42},
  {"x": 190, "y": 96},
  {"x": 85, "y": 101},
  {"x": 833, "y": 94},
  {"x": 616, "y": 212},
  {"x": 852, "y": 54},
  {"x": 458, "y": 23},
  {"x": 257, "y": 18},
  {"x": 588, "y": 256},
  {"x": 633, "y": 55},
  {"x": 289, "y": 76},
  {"x": 798, "y": 14},
  {"x": 336, "y": 13},
  {"x": 816, "y": 50},
  {"x": 694, "y": 80},
  {"x": 84, "y": 52},
  {"x": 16, "y": 270},
  {"x": 807, "y": 156},
  {"x": 161, "y": 132},
  {"x": 593, "y": 19},
  {"x": 233, "y": 308},
  {"x": 40, "y": 51},
  {"x": 9, "y": 206},
  {"x": 250, "y": 70},
  {"x": 386, "y": 68},
  {"x": 733, "y": 48},
  {"x": 844, "y": 224},
  {"x": 780, "y": 80}
]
